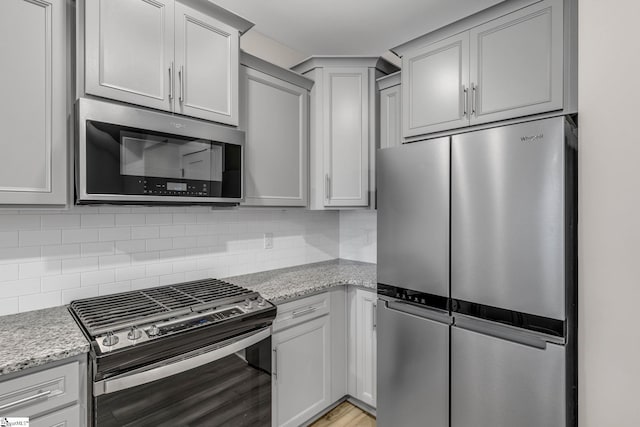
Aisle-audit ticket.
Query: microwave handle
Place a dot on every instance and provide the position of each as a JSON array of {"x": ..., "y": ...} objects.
[{"x": 129, "y": 380}]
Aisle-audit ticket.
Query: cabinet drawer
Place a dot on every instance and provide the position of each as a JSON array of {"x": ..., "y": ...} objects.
[
  {"x": 295, "y": 312},
  {"x": 67, "y": 417},
  {"x": 39, "y": 392}
]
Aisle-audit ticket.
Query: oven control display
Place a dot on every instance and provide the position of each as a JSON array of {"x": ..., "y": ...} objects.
[
  {"x": 176, "y": 186},
  {"x": 206, "y": 318}
]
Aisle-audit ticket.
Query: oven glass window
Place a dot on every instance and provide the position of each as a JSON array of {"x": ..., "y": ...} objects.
[
  {"x": 232, "y": 391},
  {"x": 123, "y": 160}
]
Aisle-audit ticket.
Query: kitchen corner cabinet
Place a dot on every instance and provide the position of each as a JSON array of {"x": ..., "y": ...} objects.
[
  {"x": 390, "y": 110},
  {"x": 344, "y": 109},
  {"x": 33, "y": 165},
  {"x": 162, "y": 54},
  {"x": 507, "y": 67},
  {"x": 275, "y": 116},
  {"x": 362, "y": 345}
]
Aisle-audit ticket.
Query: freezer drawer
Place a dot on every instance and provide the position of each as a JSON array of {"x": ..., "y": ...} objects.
[
  {"x": 500, "y": 383},
  {"x": 508, "y": 217},
  {"x": 413, "y": 216},
  {"x": 413, "y": 368}
]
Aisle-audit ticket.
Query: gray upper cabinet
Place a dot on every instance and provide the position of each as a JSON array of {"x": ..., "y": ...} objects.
[
  {"x": 435, "y": 87},
  {"x": 206, "y": 54},
  {"x": 275, "y": 117},
  {"x": 33, "y": 165},
  {"x": 129, "y": 51},
  {"x": 175, "y": 56},
  {"x": 516, "y": 63},
  {"x": 510, "y": 61},
  {"x": 390, "y": 110},
  {"x": 344, "y": 134}
]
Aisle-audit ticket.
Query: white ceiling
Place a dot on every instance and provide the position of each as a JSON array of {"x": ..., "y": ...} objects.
[{"x": 350, "y": 27}]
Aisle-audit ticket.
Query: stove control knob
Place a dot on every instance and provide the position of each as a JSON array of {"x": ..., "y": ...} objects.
[
  {"x": 248, "y": 304},
  {"x": 261, "y": 302},
  {"x": 134, "y": 333},
  {"x": 110, "y": 339},
  {"x": 153, "y": 331}
]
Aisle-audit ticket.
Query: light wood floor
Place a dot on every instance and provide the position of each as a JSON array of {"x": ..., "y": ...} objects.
[{"x": 346, "y": 415}]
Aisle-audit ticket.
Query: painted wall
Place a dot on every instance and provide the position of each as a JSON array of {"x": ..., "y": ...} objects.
[
  {"x": 48, "y": 258},
  {"x": 358, "y": 235},
  {"x": 266, "y": 48},
  {"x": 609, "y": 60}
]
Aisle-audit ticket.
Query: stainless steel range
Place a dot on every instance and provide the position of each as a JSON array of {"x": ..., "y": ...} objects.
[{"x": 195, "y": 353}]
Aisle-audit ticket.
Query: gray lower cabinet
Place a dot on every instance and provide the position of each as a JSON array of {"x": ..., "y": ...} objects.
[
  {"x": 33, "y": 165},
  {"x": 275, "y": 116},
  {"x": 47, "y": 396},
  {"x": 512, "y": 65},
  {"x": 301, "y": 360},
  {"x": 362, "y": 350}
]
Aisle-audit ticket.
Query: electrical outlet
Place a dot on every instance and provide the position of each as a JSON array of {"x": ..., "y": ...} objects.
[{"x": 268, "y": 240}]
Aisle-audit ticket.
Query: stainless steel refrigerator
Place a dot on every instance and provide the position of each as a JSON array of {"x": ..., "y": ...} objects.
[{"x": 477, "y": 279}]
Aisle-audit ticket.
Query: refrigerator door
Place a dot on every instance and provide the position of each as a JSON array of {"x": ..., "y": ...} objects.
[
  {"x": 507, "y": 217},
  {"x": 413, "y": 216},
  {"x": 413, "y": 366},
  {"x": 500, "y": 383}
]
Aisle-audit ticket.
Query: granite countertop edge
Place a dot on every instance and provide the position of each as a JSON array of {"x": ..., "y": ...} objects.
[{"x": 36, "y": 338}]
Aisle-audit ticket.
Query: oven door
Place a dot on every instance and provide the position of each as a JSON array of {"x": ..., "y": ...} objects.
[{"x": 225, "y": 384}]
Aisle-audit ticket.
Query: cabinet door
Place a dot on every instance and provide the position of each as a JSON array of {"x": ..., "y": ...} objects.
[
  {"x": 390, "y": 117},
  {"x": 517, "y": 63},
  {"x": 301, "y": 372},
  {"x": 129, "y": 51},
  {"x": 366, "y": 346},
  {"x": 207, "y": 66},
  {"x": 346, "y": 136},
  {"x": 33, "y": 165},
  {"x": 67, "y": 417},
  {"x": 435, "y": 87},
  {"x": 275, "y": 117}
]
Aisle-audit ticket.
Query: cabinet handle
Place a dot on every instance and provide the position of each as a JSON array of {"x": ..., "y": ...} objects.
[
  {"x": 275, "y": 364},
  {"x": 465, "y": 101},
  {"x": 39, "y": 395},
  {"x": 181, "y": 83},
  {"x": 473, "y": 99},
  {"x": 374, "y": 318},
  {"x": 303, "y": 312},
  {"x": 327, "y": 186},
  {"x": 170, "y": 83}
]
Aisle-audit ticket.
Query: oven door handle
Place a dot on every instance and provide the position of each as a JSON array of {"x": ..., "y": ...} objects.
[{"x": 133, "y": 379}]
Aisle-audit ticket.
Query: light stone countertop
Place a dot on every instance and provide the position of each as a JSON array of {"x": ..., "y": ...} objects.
[
  {"x": 37, "y": 337},
  {"x": 286, "y": 284}
]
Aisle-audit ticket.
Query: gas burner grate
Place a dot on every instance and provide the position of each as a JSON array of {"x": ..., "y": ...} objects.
[{"x": 110, "y": 312}]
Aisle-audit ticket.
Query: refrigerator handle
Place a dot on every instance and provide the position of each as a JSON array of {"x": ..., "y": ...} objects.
[
  {"x": 423, "y": 312},
  {"x": 530, "y": 339}
]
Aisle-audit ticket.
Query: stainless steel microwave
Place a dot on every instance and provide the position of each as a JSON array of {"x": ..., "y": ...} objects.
[{"x": 129, "y": 155}]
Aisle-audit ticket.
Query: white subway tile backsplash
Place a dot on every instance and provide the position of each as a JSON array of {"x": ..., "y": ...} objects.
[
  {"x": 9, "y": 306},
  {"x": 56, "y": 256},
  {"x": 78, "y": 265},
  {"x": 145, "y": 232},
  {"x": 57, "y": 283},
  {"x": 16, "y": 288},
  {"x": 61, "y": 251},
  {"x": 69, "y": 295},
  {"x": 39, "y": 269},
  {"x": 80, "y": 235},
  {"x": 117, "y": 233},
  {"x": 8, "y": 239},
  {"x": 40, "y": 237},
  {"x": 60, "y": 221},
  {"x": 358, "y": 235},
  {"x": 97, "y": 249},
  {"x": 39, "y": 301},
  {"x": 93, "y": 278},
  {"x": 97, "y": 220}
]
